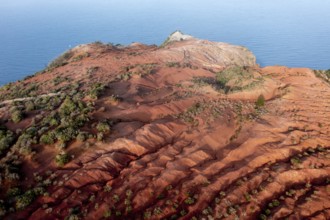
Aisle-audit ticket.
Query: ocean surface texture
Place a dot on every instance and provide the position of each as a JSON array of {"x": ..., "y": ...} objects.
[{"x": 295, "y": 33}]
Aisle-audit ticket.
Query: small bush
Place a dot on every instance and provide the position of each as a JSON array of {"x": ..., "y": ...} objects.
[
  {"x": 260, "y": 101},
  {"x": 125, "y": 76},
  {"x": 100, "y": 136},
  {"x": 25, "y": 141},
  {"x": 58, "y": 80},
  {"x": 17, "y": 116},
  {"x": 92, "y": 70},
  {"x": 80, "y": 57},
  {"x": 147, "y": 215},
  {"x": 47, "y": 138},
  {"x": 62, "y": 158},
  {"x": 247, "y": 197},
  {"x": 82, "y": 136},
  {"x": 103, "y": 127},
  {"x": 24, "y": 200},
  {"x": 115, "y": 198},
  {"x": 13, "y": 192},
  {"x": 295, "y": 161},
  {"x": 29, "y": 106},
  {"x": 65, "y": 134},
  {"x": 6, "y": 140},
  {"x": 96, "y": 90},
  {"x": 276, "y": 203},
  {"x": 173, "y": 64},
  {"x": 61, "y": 60},
  {"x": 107, "y": 214},
  {"x": 189, "y": 201},
  {"x": 67, "y": 107}
]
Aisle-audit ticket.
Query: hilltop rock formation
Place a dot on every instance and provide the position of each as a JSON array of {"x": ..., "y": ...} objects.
[
  {"x": 185, "y": 48},
  {"x": 192, "y": 129}
]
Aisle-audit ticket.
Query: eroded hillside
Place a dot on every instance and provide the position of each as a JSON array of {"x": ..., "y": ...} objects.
[{"x": 189, "y": 130}]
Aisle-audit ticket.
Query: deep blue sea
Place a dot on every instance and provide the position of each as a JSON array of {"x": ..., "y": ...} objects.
[{"x": 295, "y": 33}]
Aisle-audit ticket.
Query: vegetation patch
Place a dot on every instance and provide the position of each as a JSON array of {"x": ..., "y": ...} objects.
[
  {"x": 260, "y": 101},
  {"x": 192, "y": 112},
  {"x": 237, "y": 78},
  {"x": 18, "y": 90},
  {"x": 96, "y": 90},
  {"x": 138, "y": 70},
  {"x": 323, "y": 74},
  {"x": 173, "y": 64},
  {"x": 62, "y": 60},
  {"x": 80, "y": 57},
  {"x": 62, "y": 158}
]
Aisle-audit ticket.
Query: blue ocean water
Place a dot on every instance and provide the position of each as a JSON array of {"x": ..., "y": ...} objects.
[{"x": 294, "y": 33}]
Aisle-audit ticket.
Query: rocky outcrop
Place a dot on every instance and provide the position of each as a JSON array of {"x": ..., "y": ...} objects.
[{"x": 185, "y": 48}]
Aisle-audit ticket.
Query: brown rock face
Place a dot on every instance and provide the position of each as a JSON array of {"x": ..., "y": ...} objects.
[{"x": 184, "y": 136}]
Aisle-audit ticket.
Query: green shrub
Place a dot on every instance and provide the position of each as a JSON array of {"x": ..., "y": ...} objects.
[
  {"x": 268, "y": 212},
  {"x": 78, "y": 121},
  {"x": 158, "y": 211},
  {"x": 61, "y": 60},
  {"x": 25, "y": 140},
  {"x": 47, "y": 138},
  {"x": 82, "y": 136},
  {"x": 115, "y": 198},
  {"x": 147, "y": 215},
  {"x": 295, "y": 161},
  {"x": 247, "y": 197},
  {"x": 118, "y": 213},
  {"x": 62, "y": 158},
  {"x": 24, "y": 200},
  {"x": 103, "y": 127},
  {"x": 96, "y": 90},
  {"x": 98, "y": 42},
  {"x": 67, "y": 107},
  {"x": 65, "y": 134},
  {"x": 227, "y": 74},
  {"x": 29, "y": 106},
  {"x": 173, "y": 64},
  {"x": 6, "y": 142},
  {"x": 235, "y": 78},
  {"x": 92, "y": 70},
  {"x": 100, "y": 136},
  {"x": 32, "y": 131},
  {"x": 61, "y": 145},
  {"x": 260, "y": 101},
  {"x": 25, "y": 150},
  {"x": 80, "y": 57},
  {"x": 16, "y": 116},
  {"x": 39, "y": 191},
  {"x": 13, "y": 192},
  {"x": 107, "y": 214},
  {"x": 125, "y": 76},
  {"x": 58, "y": 80},
  {"x": 53, "y": 122},
  {"x": 276, "y": 203},
  {"x": 189, "y": 201}
]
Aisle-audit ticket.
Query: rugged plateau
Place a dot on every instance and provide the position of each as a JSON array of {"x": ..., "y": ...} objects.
[{"x": 191, "y": 129}]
